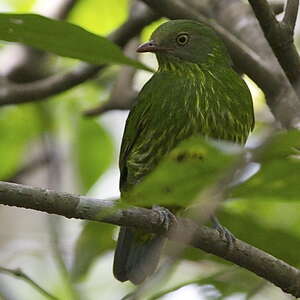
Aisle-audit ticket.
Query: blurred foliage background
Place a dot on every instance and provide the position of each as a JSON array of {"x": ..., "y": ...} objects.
[{"x": 53, "y": 144}]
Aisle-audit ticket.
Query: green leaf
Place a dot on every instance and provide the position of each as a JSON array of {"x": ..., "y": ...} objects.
[
  {"x": 18, "y": 126},
  {"x": 62, "y": 38},
  {"x": 94, "y": 240},
  {"x": 278, "y": 177},
  {"x": 190, "y": 168},
  {"x": 94, "y": 151}
]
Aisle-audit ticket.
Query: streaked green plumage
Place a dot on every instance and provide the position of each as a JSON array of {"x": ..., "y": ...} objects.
[{"x": 194, "y": 92}]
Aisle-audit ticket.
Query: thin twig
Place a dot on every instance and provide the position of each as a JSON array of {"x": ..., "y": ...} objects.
[
  {"x": 291, "y": 13},
  {"x": 30, "y": 167},
  {"x": 123, "y": 94},
  {"x": 54, "y": 227},
  {"x": 21, "y": 275}
]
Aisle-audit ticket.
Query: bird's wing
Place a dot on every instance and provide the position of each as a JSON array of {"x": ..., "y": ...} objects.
[
  {"x": 145, "y": 138},
  {"x": 135, "y": 125}
]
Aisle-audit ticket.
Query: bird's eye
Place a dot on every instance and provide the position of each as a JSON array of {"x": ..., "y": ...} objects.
[{"x": 182, "y": 39}]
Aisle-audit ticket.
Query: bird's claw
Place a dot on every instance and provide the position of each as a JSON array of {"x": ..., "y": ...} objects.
[
  {"x": 167, "y": 219},
  {"x": 224, "y": 233}
]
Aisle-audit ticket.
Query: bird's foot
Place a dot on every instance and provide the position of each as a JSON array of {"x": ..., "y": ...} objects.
[
  {"x": 167, "y": 219},
  {"x": 223, "y": 232}
]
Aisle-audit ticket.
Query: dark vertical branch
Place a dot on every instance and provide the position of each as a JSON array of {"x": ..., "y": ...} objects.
[
  {"x": 290, "y": 13},
  {"x": 280, "y": 38}
]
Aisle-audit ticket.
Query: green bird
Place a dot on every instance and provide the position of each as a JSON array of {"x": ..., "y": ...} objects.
[{"x": 195, "y": 91}]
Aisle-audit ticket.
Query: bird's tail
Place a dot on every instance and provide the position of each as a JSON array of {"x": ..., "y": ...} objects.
[{"x": 137, "y": 255}]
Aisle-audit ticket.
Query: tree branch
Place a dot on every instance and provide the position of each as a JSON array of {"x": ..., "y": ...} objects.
[
  {"x": 71, "y": 206},
  {"x": 123, "y": 94},
  {"x": 41, "y": 89},
  {"x": 280, "y": 37}
]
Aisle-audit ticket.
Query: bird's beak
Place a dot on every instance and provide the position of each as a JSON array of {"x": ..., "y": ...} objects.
[{"x": 150, "y": 46}]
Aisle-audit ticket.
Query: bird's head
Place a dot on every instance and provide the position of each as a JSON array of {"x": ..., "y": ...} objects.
[{"x": 187, "y": 40}]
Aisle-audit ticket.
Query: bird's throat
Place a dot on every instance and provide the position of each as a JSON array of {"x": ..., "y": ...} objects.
[{"x": 178, "y": 66}]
